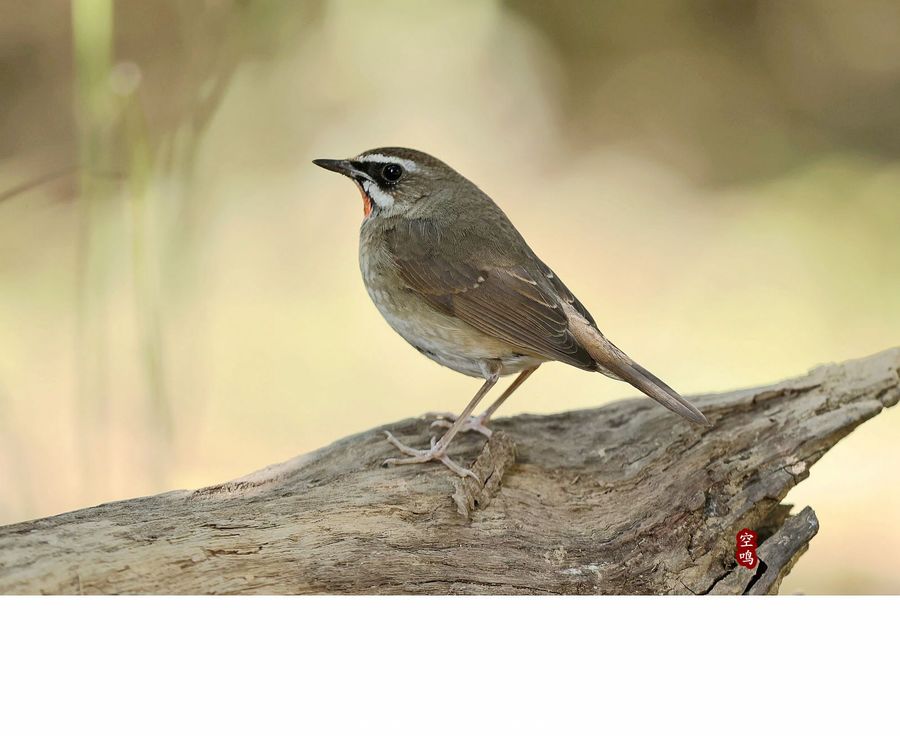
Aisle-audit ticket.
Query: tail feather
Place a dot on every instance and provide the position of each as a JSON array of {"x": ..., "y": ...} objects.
[
  {"x": 656, "y": 389},
  {"x": 613, "y": 361}
]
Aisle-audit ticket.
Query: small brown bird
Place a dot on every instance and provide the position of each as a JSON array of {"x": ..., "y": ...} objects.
[{"x": 450, "y": 273}]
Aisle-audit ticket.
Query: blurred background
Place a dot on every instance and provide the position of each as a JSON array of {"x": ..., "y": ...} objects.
[{"x": 180, "y": 300}]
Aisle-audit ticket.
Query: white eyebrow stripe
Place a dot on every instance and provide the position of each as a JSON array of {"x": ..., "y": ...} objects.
[{"x": 380, "y": 158}]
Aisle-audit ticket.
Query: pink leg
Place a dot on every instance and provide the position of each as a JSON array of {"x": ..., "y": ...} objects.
[
  {"x": 438, "y": 449},
  {"x": 479, "y": 423}
]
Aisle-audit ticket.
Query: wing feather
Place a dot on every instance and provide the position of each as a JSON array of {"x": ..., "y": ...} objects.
[{"x": 518, "y": 305}]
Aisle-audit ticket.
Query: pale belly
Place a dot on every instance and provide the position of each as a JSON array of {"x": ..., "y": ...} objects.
[{"x": 444, "y": 339}]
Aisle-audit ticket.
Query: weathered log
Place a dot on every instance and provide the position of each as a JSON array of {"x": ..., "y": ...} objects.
[{"x": 622, "y": 499}]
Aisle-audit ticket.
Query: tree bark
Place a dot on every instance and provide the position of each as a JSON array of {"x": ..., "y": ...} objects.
[{"x": 627, "y": 498}]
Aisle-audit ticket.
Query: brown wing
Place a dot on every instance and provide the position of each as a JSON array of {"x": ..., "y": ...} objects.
[
  {"x": 513, "y": 296},
  {"x": 520, "y": 305}
]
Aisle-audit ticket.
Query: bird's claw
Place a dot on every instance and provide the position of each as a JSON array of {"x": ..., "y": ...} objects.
[
  {"x": 435, "y": 452},
  {"x": 472, "y": 424}
]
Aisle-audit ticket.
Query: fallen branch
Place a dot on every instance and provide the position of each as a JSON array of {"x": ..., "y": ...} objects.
[{"x": 626, "y": 498}]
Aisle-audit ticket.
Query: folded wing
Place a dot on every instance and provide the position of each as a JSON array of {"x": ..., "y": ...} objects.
[{"x": 528, "y": 307}]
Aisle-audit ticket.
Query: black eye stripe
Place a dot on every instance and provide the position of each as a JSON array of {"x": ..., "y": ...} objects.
[
  {"x": 376, "y": 169},
  {"x": 365, "y": 168}
]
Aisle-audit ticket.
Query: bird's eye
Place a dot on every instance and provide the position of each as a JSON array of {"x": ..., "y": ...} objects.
[{"x": 392, "y": 172}]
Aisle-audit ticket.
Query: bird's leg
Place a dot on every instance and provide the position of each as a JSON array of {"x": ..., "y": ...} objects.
[
  {"x": 438, "y": 449},
  {"x": 479, "y": 423}
]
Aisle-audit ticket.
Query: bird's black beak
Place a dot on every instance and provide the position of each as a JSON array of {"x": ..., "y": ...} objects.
[{"x": 340, "y": 166}]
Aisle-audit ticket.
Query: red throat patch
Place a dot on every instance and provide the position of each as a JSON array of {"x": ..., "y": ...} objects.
[{"x": 367, "y": 200}]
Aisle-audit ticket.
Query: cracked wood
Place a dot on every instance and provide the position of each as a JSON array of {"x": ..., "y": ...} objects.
[{"x": 626, "y": 498}]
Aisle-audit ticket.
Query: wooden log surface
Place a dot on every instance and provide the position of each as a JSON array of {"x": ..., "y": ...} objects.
[{"x": 626, "y": 498}]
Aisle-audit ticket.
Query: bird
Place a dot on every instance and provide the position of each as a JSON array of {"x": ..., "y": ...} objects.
[{"x": 450, "y": 273}]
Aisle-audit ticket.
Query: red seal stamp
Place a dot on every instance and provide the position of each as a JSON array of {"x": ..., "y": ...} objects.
[{"x": 745, "y": 548}]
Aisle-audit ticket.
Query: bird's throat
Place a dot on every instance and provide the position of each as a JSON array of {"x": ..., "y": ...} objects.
[{"x": 367, "y": 200}]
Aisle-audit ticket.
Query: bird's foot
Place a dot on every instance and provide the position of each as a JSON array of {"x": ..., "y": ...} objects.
[
  {"x": 435, "y": 452},
  {"x": 472, "y": 424}
]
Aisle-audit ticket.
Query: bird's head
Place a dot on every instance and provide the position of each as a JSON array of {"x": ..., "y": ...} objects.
[{"x": 396, "y": 181}]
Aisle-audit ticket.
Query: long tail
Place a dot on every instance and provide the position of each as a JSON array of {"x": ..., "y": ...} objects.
[
  {"x": 613, "y": 361},
  {"x": 643, "y": 380}
]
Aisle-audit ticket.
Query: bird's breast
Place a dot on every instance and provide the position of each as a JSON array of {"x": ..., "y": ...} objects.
[{"x": 442, "y": 337}]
